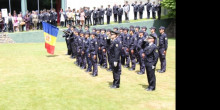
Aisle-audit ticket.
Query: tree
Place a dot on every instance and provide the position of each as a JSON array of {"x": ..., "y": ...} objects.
[{"x": 171, "y": 6}]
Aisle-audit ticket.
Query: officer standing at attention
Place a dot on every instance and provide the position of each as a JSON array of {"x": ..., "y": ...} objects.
[
  {"x": 131, "y": 27},
  {"x": 103, "y": 48},
  {"x": 108, "y": 35},
  {"x": 141, "y": 9},
  {"x": 126, "y": 44},
  {"x": 152, "y": 30},
  {"x": 67, "y": 34},
  {"x": 120, "y": 13},
  {"x": 140, "y": 52},
  {"x": 87, "y": 52},
  {"x": 115, "y": 50},
  {"x": 163, "y": 44},
  {"x": 150, "y": 58},
  {"x": 99, "y": 40},
  {"x": 93, "y": 49},
  {"x": 135, "y": 6},
  {"x": 115, "y": 12},
  {"x": 132, "y": 46},
  {"x": 148, "y": 4},
  {"x": 108, "y": 14}
]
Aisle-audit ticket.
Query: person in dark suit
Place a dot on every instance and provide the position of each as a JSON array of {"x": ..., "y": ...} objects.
[
  {"x": 115, "y": 12},
  {"x": 148, "y": 4},
  {"x": 108, "y": 14},
  {"x": 141, "y": 9},
  {"x": 154, "y": 9},
  {"x": 159, "y": 10},
  {"x": 135, "y": 6},
  {"x": 120, "y": 13},
  {"x": 101, "y": 12},
  {"x": 87, "y": 17},
  {"x": 94, "y": 16}
]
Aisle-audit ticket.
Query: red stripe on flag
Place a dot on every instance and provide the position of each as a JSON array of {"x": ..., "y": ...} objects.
[{"x": 50, "y": 48}]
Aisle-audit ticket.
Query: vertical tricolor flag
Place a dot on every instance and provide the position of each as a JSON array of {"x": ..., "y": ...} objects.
[{"x": 50, "y": 35}]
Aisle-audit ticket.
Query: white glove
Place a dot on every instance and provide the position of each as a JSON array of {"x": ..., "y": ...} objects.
[
  {"x": 50, "y": 20},
  {"x": 153, "y": 67},
  {"x": 115, "y": 64}
]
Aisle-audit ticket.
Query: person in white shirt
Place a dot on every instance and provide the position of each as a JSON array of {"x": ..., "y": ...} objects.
[{"x": 126, "y": 10}]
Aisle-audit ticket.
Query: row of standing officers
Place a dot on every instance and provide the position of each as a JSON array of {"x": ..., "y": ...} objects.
[{"x": 115, "y": 48}]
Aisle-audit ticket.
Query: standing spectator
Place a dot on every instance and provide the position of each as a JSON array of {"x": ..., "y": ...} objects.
[
  {"x": 40, "y": 19},
  {"x": 94, "y": 16},
  {"x": 77, "y": 17},
  {"x": 73, "y": 17},
  {"x": 66, "y": 17},
  {"x": 69, "y": 17},
  {"x": 115, "y": 12},
  {"x": 120, "y": 13},
  {"x": 27, "y": 22},
  {"x": 108, "y": 14},
  {"x": 2, "y": 21},
  {"x": 154, "y": 9},
  {"x": 15, "y": 25},
  {"x": 135, "y": 10},
  {"x": 10, "y": 23},
  {"x": 141, "y": 9},
  {"x": 62, "y": 18},
  {"x": 148, "y": 4},
  {"x": 34, "y": 20},
  {"x": 126, "y": 10},
  {"x": 20, "y": 22},
  {"x": 159, "y": 10},
  {"x": 82, "y": 18},
  {"x": 102, "y": 12}
]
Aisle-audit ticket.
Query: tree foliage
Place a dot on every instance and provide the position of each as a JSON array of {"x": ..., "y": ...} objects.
[{"x": 171, "y": 6}]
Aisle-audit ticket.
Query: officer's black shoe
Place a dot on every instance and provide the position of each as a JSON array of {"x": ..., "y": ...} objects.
[
  {"x": 131, "y": 69},
  {"x": 140, "y": 73},
  {"x": 114, "y": 87},
  {"x": 109, "y": 70},
  {"x": 126, "y": 66},
  {"x": 88, "y": 70},
  {"x": 149, "y": 89},
  {"x": 94, "y": 75},
  {"x": 160, "y": 71}
]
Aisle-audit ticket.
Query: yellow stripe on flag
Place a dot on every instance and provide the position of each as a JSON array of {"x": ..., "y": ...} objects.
[{"x": 50, "y": 39}]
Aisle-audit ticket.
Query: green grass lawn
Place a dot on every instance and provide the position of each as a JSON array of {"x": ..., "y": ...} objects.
[{"x": 31, "y": 79}]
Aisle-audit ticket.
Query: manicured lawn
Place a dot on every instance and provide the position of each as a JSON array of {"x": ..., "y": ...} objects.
[{"x": 31, "y": 79}]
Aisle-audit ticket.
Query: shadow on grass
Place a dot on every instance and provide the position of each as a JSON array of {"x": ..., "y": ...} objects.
[
  {"x": 110, "y": 83},
  {"x": 52, "y": 55},
  {"x": 144, "y": 86}
]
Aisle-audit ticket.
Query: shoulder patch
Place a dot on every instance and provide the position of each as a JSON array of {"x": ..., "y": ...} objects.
[
  {"x": 166, "y": 38},
  {"x": 95, "y": 42},
  {"x": 120, "y": 42}
]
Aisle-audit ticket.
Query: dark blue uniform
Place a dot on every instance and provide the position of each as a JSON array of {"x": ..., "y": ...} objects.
[
  {"x": 155, "y": 35},
  {"x": 135, "y": 10},
  {"x": 159, "y": 10},
  {"x": 120, "y": 13},
  {"x": 140, "y": 51},
  {"x": 115, "y": 50},
  {"x": 133, "y": 44},
  {"x": 115, "y": 12},
  {"x": 93, "y": 49},
  {"x": 126, "y": 44},
  {"x": 87, "y": 52},
  {"x": 148, "y": 9},
  {"x": 67, "y": 34},
  {"x": 99, "y": 40},
  {"x": 151, "y": 57},
  {"x": 79, "y": 51},
  {"x": 101, "y": 16},
  {"x": 103, "y": 47},
  {"x": 163, "y": 44}
]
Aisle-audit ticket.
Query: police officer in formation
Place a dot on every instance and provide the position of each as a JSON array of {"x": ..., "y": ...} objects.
[
  {"x": 110, "y": 49},
  {"x": 162, "y": 48}
]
